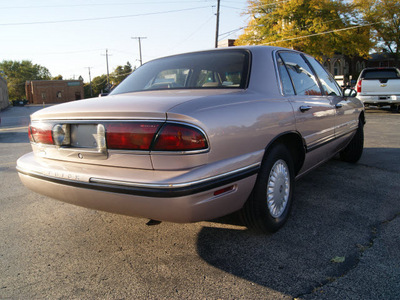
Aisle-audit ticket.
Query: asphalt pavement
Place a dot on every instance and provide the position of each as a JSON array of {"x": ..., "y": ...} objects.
[{"x": 342, "y": 240}]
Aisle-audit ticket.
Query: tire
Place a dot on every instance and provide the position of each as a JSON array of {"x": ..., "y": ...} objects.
[
  {"x": 395, "y": 107},
  {"x": 268, "y": 207},
  {"x": 353, "y": 151}
]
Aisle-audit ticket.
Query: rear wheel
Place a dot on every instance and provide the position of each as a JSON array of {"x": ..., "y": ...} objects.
[
  {"x": 395, "y": 107},
  {"x": 268, "y": 207},
  {"x": 352, "y": 153}
]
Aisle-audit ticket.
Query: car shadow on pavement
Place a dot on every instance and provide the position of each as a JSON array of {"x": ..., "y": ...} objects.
[{"x": 335, "y": 216}]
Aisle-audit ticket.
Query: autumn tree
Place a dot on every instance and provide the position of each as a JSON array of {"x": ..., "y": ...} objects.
[
  {"x": 317, "y": 27},
  {"x": 18, "y": 72},
  {"x": 383, "y": 18}
]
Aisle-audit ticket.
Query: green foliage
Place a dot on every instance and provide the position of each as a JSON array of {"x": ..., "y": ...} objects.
[
  {"x": 99, "y": 85},
  {"x": 311, "y": 26},
  {"x": 384, "y": 19},
  {"x": 120, "y": 73},
  {"x": 18, "y": 72},
  {"x": 58, "y": 77}
]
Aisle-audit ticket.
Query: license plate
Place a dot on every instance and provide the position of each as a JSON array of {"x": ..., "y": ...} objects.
[{"x": 84, "y": 136}]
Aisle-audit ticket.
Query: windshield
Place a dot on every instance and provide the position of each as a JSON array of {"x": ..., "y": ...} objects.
[{"x": 201, "y": 70}]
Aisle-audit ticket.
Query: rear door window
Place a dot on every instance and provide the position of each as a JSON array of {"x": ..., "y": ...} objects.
[
  {"x": 286, "y": 82},
  {"x": 303, "y": 78},
  {"x": 329, "y": 84}
]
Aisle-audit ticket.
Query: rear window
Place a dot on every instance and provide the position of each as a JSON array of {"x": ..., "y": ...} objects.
[
  {"x": 202, "y": 70},
  {"x": 380, "y": 74}
]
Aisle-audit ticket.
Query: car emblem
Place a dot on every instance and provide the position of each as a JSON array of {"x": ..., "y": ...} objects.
[{"x": 383, "y": 85}]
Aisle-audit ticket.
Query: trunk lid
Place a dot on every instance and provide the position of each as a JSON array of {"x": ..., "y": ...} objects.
[{"x": 140, "y": 105}]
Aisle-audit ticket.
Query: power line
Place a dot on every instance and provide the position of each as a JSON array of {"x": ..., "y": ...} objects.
[
  {"x": 103, "y": 18},
  {"x": 320, "y": 33},
  {"x": 101, "y": 4}
]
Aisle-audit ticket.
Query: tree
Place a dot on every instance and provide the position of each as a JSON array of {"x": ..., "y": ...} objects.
[
  {"x": 316, "y": 27},
  {"x": 99, "y": 85},
  {"x": 18, "y": 72},
  {"x": 384, "y": 19},
  {"x": 120, "y": 73},
  {"x": 58, "y": 77}
]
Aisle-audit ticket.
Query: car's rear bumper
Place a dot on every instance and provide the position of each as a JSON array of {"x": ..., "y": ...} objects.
[
  {"x": 184, "y": 201},
  {"x": 380, "y": 99}
]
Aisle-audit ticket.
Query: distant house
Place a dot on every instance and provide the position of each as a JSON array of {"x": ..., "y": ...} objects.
[
  {"x": 3, "y": 93},
  {"x": 53, "y": 91},
  {"x": 383, "y": 59}
]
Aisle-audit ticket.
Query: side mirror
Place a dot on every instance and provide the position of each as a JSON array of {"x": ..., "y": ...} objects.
[{"x": 348, "y": 92}]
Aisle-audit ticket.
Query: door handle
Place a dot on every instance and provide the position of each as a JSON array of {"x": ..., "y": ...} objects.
[
  {"x": 304, "y": 108},
  {"x": 339, "y": 105}
]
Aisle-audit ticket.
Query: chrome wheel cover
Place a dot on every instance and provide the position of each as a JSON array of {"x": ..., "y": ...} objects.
[{"x": 278, "y": 188}]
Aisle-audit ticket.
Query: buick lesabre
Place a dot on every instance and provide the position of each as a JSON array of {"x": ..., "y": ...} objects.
[{"x": 197, "y": 136}]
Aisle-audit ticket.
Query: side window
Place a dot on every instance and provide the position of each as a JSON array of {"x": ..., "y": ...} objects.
[
  {"x": 285, "y": 79},
  {"x": 328, "y": 83},
  {"x": 305, "y": 83}
]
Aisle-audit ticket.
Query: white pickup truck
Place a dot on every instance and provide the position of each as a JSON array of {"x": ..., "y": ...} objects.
[{"x": 379, "y": 87}]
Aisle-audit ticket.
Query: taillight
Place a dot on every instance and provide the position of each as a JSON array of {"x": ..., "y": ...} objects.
[
  {"x": 30, "y": 133},
  {"x": 41, "y": 133},
  {"x": 147, "y": 136},
  {"x": 359, "y": 86},
  {"x": 130, "y": 136},
  {"x": 178, "y": 137}
]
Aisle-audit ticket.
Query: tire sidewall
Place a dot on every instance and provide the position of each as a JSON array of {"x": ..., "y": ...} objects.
[{"x": 260, "y": 206}]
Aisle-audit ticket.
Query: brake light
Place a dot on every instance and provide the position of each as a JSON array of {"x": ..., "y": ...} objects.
[
  {"x": 359, "y": 86},
  {"x": 30, "y": 133},
  {"x": 148, "y": 136},
  {"x": 41, "y": 133},
  {"x": 178, "y": 137},
  {"x": 130, "y": 136}
]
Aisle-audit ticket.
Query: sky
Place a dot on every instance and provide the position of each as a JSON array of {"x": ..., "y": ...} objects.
[{"x": 68, "y": 37}]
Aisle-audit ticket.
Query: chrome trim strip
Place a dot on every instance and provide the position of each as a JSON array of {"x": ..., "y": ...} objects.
[
  {"x": 151, "y": 190},
  {"x": 172, "y": 185},
  {"x": 350, "y": 125}
]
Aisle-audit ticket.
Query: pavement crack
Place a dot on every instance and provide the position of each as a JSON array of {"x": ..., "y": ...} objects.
[{"x": 352, "y": 260}]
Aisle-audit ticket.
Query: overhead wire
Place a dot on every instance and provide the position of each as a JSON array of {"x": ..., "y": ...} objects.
[{"x": 103, "y": 18}]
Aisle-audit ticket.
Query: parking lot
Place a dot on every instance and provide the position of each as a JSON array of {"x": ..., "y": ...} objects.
[{"x": 341, "y": 242}]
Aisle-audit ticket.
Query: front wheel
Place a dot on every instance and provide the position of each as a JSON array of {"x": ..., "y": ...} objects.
[
  {"x": 352, "y": 153},
  {"x": 268, "y": 207}
]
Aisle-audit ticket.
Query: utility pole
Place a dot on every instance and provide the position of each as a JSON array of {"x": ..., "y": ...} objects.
[
  {"x": 108, "y": 74},
  {"x": 140, "y": 45},
  {"x": 217, "y": 27},
  {"x": 90, "y": 83}
]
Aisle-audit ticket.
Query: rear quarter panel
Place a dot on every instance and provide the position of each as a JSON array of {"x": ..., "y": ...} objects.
[{"x": 237, "y": 125}]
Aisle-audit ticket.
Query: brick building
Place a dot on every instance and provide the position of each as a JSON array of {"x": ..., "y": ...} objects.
[
  {"x": 3, "y": 93},
  {"x": 53, "y": 91}
]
